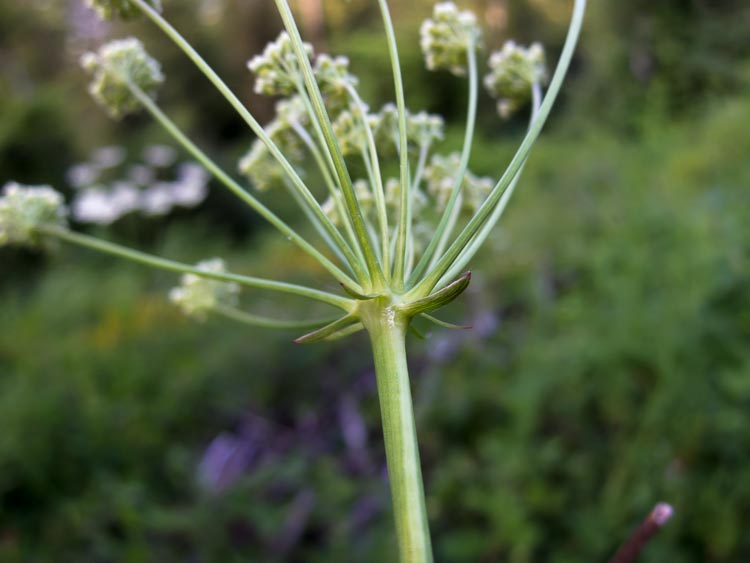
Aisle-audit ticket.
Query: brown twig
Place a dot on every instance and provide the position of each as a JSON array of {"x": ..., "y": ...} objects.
[{"x": 658, "y": 517}]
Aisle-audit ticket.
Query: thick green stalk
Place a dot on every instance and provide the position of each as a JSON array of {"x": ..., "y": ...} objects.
[{"x": 387, "y": 329}]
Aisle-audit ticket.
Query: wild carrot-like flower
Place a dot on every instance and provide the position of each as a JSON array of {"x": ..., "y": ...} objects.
[
  {"x": 447, "y": 37},
  {"x": 398, "y": 247},
  {"x": 277, "y": 69},
  {"x": 513, "y": 72},
  {"x": 115, "y": 68},
  {"x": 23, "y": 209},
  {"x": 198, "y": 296},
  {"x": 111, "y": 9}
]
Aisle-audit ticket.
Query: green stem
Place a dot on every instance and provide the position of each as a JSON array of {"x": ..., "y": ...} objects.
[
  {"x": 266, "y": 322},
  {"x": 439, "y": 238},
  {"x": 342, "y": 173},
  {"x": 387, "y": 331},
  {"x": 99, "y": 245},
  {"x": 234, "y": 187},
  {"x": 405, "y": 213},
  {"x": 234, "y": 101},
  {"x": 486, "y": 209}
]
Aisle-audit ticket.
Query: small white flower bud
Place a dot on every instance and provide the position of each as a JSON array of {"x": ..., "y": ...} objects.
[
  {"x": 384, "y": 126},
  {"x": 261, "y": 167},
  {"x": 333, "y": 76},
  {"x": 197, "y": 296},
  {"x": 116, "y": 65},
  {"x": 424, "y": 128},
  {"x": 445, "y": 39},
  {"x": 440, "y": 178},
  {"x": 513, "y": 72},
  {"x": 277, "y": 69},
  {"x": 111, "y": 9},
  {"x": 349, "y": 129},
  {"x": 24, "y": 208}
]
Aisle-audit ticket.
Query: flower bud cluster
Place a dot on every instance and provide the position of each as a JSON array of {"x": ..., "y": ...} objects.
[
  {"x": 349, "y": 129},
  {"x": 24, "y": 208},
  {"x": 514, "y": 70},
  {"x": 197, "y": 296},
  {"x": 111, "y": 9},
  {"x": 424, "y": 128},
  {"x": 334, "y": 79},
  {"x": 440, "y": 177},
  {"x": 364, "y": 195},
  {"x": 116, "y": 67},
  {"x": 277, "y": 69},
  {"x": 259, "y": 165},
  {"x": 447, "y": 37}
]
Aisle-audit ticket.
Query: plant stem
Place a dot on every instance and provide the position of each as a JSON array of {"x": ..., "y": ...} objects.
[
  {"x": 387, "y": 331},
  {"x": 113, "y": 249}
]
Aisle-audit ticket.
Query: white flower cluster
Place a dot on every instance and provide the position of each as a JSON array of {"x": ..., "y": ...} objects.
[
  {"x": 24, "y": 208},
  {"x": 334, "y": 79},
  {"x": 513, "y": 72},
  {"x": 115, "y": 67},
  {"x": 349, "y": 129},
  {"x": 440, "y": 177},
  {"x": 364, "y": 195},
  {"x": 277, "y": 70},
  {"x": 424, "y": 128},
  {"x": 110, "y": 9},
  {"x": 446, "y": 38},
  {"x": 103, "y": 202},
  {"x": 260, "y": 166},
  {"x": 197, "y": 296}
]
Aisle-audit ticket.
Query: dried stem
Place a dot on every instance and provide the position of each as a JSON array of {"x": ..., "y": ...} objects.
[{"x": 655, "y": 521}]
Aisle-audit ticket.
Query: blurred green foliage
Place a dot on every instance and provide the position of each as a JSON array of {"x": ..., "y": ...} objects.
[{"x": 608, "y": 368}]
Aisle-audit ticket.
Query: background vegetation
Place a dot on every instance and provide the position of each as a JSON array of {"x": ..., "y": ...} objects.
[{"x": 608, "y": 367}]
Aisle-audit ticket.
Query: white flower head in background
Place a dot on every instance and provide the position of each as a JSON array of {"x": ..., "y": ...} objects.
[
  {"x": 197, "y": 296},
  {"x": 25, "y": 208},
  {"x": 111, "y": 9},
  {"x": 447, "y": 37},
  {"x": 116, "y": 67},
  {"x": 514, "y": 70}
]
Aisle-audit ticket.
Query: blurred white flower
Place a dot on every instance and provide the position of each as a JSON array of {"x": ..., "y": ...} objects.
[
  {"x": 114, "y": 68},
  {"x": 94, "y": 205},
  {"x": 197, "y": 296},
  {"x": 108, "y": 157},
  {"x": 141, "y": 175},
  {"x": 445, "y": 38},
  {"x": 157, "y": 200},
  {"x": 82, "y": 175},
  {"x": 24, "y": 208},
  {"x": 159, "y": 156}
]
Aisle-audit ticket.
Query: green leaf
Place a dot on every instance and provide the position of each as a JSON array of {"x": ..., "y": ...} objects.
[
  {"x": 438, "y": 299},
  {"x": 329, "y": 331}
]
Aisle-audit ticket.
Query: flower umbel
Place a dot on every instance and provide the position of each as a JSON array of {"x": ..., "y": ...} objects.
[
  {"x": 514, "y": 70},
  {"x": 115, "y": 68},
  {"x": 110, "y": 9},
  {"x": 198, "y": 296},
  {"x": 24, "y": 208},
  {"x": 446, "y": 38},
  {"x": 397, "y": 247},
  {"x": 277, "y": 69}
]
